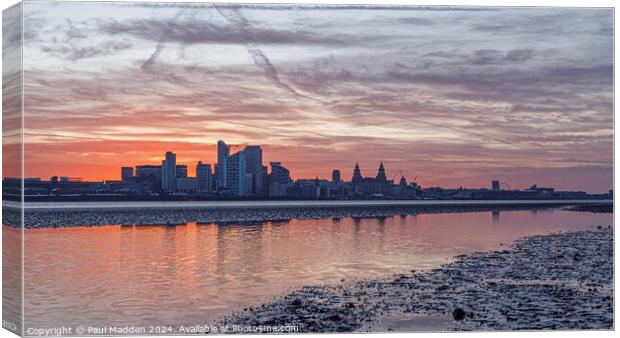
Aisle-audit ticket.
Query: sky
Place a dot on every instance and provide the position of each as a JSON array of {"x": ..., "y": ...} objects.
[{"x": 451, "y": 96}]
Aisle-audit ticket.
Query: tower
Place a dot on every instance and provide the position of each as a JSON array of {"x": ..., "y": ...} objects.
[
  {"x": 223, "y": 151},
  {"x": 381, "y": 174},
  {"x": 254, "y": 167},
  {"x": 169, "y": 172},
  {"x": 357, "y": 174},
  {"x": 336, "y": 176}
]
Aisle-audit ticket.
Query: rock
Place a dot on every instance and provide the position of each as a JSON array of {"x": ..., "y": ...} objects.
[{"x": 458, "y": 314}]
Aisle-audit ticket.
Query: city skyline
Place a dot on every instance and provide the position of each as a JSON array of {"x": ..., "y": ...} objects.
[
  {"x": 169, "y": 166},
  {"x": 454, "y": 96}
]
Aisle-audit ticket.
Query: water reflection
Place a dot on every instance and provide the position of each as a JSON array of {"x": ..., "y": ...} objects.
[
  {"x": 495, "y": 216},
  {"x": 193, "y": 273}
]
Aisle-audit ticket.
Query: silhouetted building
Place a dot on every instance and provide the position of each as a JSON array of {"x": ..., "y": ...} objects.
[
  {"x": 203, "y": 177},
  {"x": 148, "y": 170},
  {"x": 236, "y": 174},
  {"x": 495, "y": 185},
  {"x": 336, "y": 176},
  {"x": 150, "y": 174},
  {"x": 223, "y": 151},
  {"x": 381, "y": 174},
  {"x": 186, "y": 184},
  {"x": 371, "y": 186},
  {"x": 168, "y": 172},
  {"x": 254, "y": 170},
  {"x": 181, "y": 170},
  {"x": 126, "y": 173},
  {"x": 279, "y": 180},
  {"x": 279, "y": 174},
  {"x": 357, "y": 174}
]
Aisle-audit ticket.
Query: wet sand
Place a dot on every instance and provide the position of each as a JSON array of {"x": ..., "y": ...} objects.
[{"x": 559, "y": 281}]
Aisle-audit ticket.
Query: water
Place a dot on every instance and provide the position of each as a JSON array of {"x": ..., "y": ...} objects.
[{"x": 195, "y": 273}]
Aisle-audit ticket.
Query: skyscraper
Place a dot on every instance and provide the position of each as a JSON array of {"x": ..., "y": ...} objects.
[
  {"x": 236, "y": 173},
  {"x": 168, "y": 172},
  {"x": 203, "y": 177},
  {"x": 495, "y": 185},
  {"x": 223, "y": 151},
  {"x": 254, "y": 167}
]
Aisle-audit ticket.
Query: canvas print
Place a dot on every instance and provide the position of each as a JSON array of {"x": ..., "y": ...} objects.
[{"x": 198, "y": 168}]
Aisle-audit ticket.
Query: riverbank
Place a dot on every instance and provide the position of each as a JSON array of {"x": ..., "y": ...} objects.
[
  {"x": 60, "y": 215},
  {"x": 558, "y": 281}
]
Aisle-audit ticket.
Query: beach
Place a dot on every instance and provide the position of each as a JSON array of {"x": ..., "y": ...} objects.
[{"x": 558, "y": 281}]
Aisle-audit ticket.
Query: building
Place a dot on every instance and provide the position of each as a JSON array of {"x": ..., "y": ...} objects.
[
  {"x": 336, "y": 176},
  {"x": 148, "y": 170},
  {"x": 235, "y": 175},
  {"x": 371, "y": 186},
  {"x": 150, "y": 174},
  {"x": 126, "y": 173},
  {"x": 186, "y": 184},
  {"x": 279, "y": 180},
  {"x": 181, "y": 170},
  {"x": 495, "y": 185},
  {"x": 168, "y": 173},
  {"x": 254, "y": 168},
  {"x": 357, "y": 174},
  {"x": 203, "y": 177},
  {"x": 223, "y": 151},
  {"x": 279, "y": 174}
]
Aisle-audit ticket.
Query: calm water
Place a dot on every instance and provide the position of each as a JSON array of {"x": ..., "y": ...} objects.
[{"x": 194, "y": 273}]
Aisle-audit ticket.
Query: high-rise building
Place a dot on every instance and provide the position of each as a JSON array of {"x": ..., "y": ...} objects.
[
  {"x": 254, "y": 167},
  {"x": 181, "y": 170},
  {"x": 495, "y": 185},
  {"x": 235, "y": 173},
  {"x": 279, "y": 174},
  {"x": 126, "y": 173},
  {"x": 203, "y": 177},
  {"x": 168, "y": 172},
  {"x": 336, "y": 176},
  {"x": 223, "y": 151}
]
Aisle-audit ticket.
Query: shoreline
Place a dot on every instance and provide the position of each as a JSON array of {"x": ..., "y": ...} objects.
[
  {"x": 557, "y": 281},
  {"x": 49, "y": 216},
  {"x": 268, "y": 204}
]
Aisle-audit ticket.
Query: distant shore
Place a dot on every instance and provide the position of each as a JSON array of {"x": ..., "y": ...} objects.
[
  {"x": 283, "y": 204},
  {"x": 70, "y": 214},
  {"x": 559, "y": 281}
]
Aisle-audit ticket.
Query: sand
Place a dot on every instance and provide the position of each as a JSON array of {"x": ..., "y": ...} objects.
[{"x": 558, "y": 281}]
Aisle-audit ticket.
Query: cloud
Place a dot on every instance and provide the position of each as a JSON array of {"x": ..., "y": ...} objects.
[
  {"x": 195, "y": 31},
  {"x": 454, "y": 95}
]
